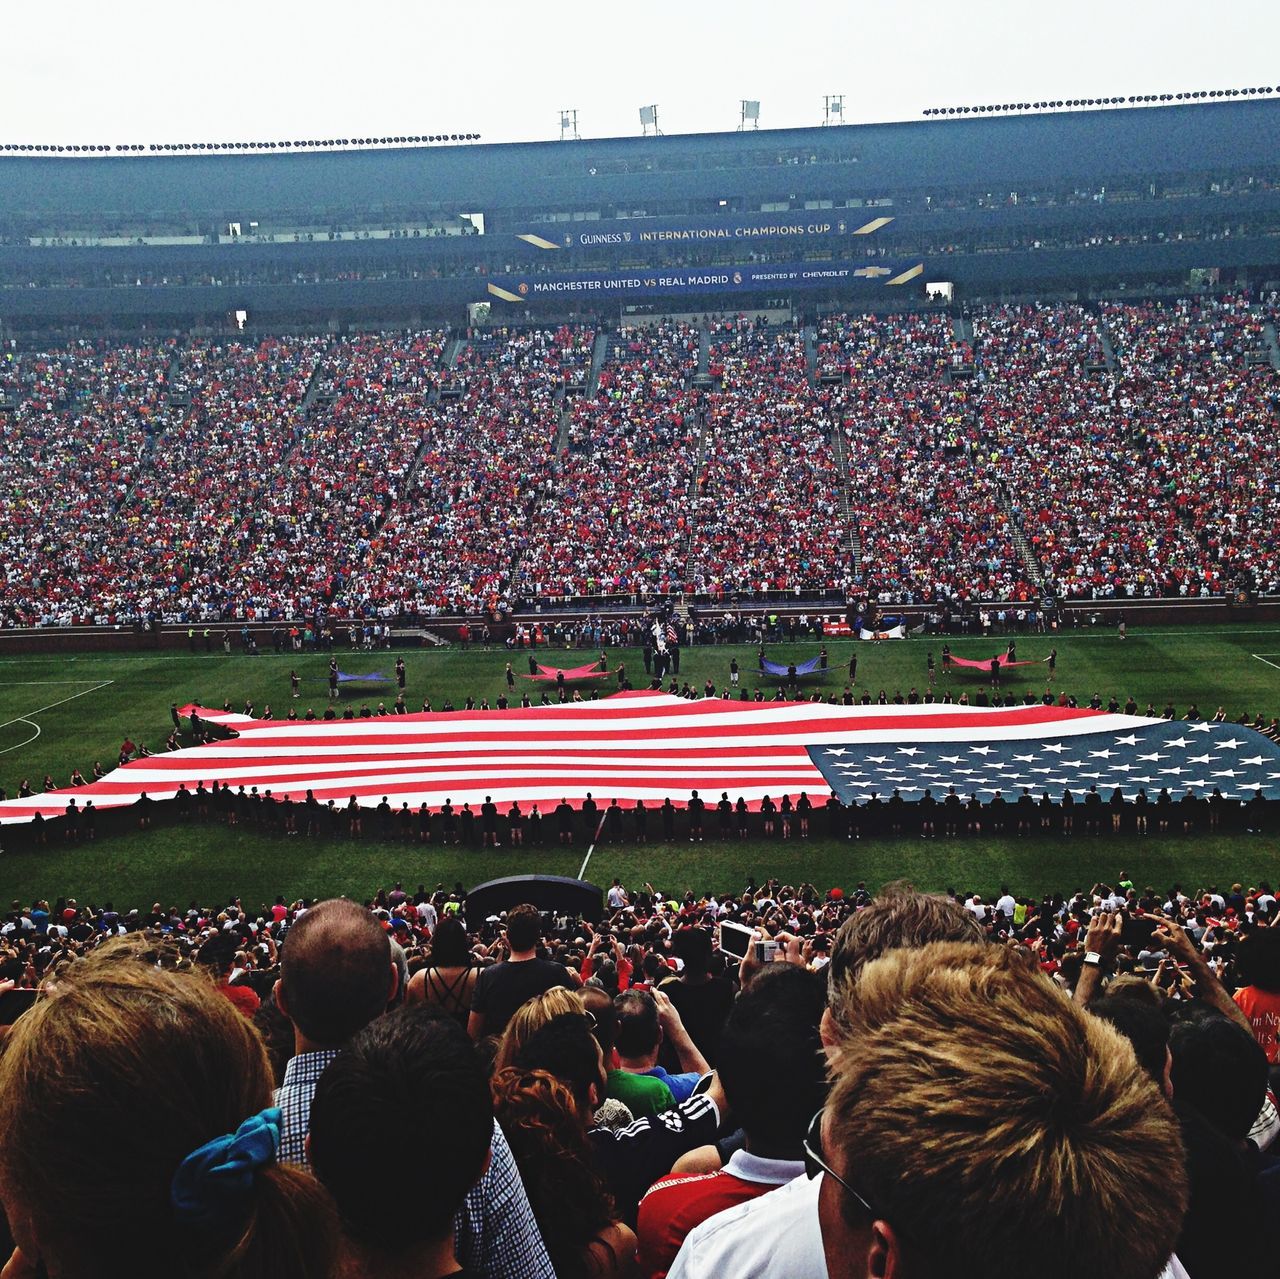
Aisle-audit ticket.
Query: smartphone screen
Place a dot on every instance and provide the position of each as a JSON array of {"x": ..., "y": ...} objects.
[{"x": 735, "y": 939}]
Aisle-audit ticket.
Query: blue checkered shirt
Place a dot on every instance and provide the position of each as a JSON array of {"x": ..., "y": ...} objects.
[{"x": 495, "y": 1234}]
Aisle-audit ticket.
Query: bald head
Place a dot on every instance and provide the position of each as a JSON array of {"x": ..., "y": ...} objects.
[{"x": 335, "y": 972}]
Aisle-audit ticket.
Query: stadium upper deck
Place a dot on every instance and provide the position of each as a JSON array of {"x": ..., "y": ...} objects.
[{"x": 1021, "y": 203}]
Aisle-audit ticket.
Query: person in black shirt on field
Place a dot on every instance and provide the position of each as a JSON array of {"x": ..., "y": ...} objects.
[
  {"x": 564, "y": 821},
  {"x": 668, "y": 820},
  {"x": 489, "y": 823},
  {"x": 639, "y": 820},
  {"x": 927, "y": 808},
  {"x": 1026, "y": 806},
  {"x": 590, "y": 816},
  {"x": 804, "y": 806},
  {"x": 768, "y": 812},
  {"x": 996, "y": 814},
  {"x": 724, "y": 815},
  {"x": 695, "y": 809},
  {"x": 613, "y": 822}
]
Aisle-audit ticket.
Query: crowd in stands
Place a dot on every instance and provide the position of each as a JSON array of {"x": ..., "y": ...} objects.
[
  {"x": 1061, "y": 443},
  {"x": 928, "y": 510},
  {"x": 322, "y": 516},
  {"x": 187, "y": 540},
  {"x": 450, "y": 541},
  {"x": 765, "y": 1083},
  {"x": 82, "y": 430},
  {"x": 1208, "y": 417},
  {"x": 616, "y": 514},
  {"x": 1127, "y": 450},
  {"x": 768, "y": 511}
]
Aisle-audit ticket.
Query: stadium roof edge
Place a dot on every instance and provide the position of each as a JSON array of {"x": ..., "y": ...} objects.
[{"x": 756, "y": 137}]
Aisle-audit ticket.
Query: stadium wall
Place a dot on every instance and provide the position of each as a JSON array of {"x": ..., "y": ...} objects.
[
  {"x": 1014, "y": 271},
  {"x": 173, "y": 638}
]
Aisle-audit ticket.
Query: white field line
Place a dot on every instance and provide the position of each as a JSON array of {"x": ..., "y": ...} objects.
[
  {"x": 591, "y": 848},
  {"x": 34, "y": 683},
  {"x": 21, "y": 719},
  {"x": 26, "y": 741},
  {"x": 1258, "y": 658}
]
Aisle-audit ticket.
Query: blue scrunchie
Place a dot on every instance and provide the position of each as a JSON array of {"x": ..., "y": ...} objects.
[{"x": 212, "y": 1186}]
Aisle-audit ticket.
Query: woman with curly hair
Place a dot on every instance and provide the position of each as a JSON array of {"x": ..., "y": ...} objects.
[{"x": 546, "y": 1118}]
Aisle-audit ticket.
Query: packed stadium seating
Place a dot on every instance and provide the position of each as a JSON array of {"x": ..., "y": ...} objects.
[
  {"x": 929, "y": 513},
  {"x": 1117, "y": 450},
  {"x": 768, "y": 514},
  {"x": 615, "y": 516},
  {"x": 1209, "y": 421},
  {"x": 1078, "y": 483}
]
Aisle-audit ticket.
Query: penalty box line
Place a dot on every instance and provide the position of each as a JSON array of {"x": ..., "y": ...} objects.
[
  {"x": 1266, "y": 661},
  {"x": 23, "y": 718}
]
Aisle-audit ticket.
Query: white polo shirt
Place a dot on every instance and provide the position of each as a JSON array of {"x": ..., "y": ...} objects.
[{"x": 775, "y": 1235}]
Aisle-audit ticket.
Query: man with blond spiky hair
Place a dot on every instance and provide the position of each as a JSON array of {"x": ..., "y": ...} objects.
[{"x": 979, "y": 1123}]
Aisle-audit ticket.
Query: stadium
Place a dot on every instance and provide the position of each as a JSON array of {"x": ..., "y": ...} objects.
[{"x": 860, "y": 503}]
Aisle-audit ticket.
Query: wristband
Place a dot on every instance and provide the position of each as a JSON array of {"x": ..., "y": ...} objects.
[{"x": 1092, "y": 957}]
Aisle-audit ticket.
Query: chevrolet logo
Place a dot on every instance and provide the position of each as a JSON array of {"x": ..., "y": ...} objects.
[{"x": 871, "y": 272}]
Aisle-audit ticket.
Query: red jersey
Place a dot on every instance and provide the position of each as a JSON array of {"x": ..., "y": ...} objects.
[
  {"x": 675, "y": 1204},
  {"x": 1262, "y": 1007}
]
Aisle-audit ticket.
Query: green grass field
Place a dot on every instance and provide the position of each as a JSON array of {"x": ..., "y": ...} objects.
[{"x": 58, "y": 713}]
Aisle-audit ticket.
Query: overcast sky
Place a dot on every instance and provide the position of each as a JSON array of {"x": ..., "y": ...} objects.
[{"x": 136, "y": 71}]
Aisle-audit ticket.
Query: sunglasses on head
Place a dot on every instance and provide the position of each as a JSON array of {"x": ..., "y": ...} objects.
[{"x": 815, "y": 1163}]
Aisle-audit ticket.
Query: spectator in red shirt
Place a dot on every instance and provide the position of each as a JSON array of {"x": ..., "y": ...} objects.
[{"x": 774, "y": 1078}]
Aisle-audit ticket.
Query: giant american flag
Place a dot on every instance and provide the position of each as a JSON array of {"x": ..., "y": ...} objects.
[{"x": 650, "y": 746}]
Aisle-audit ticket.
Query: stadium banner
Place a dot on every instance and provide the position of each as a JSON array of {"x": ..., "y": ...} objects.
[
  {"x": 734, "y": 279},
  {"x": 805, "y": 224}
]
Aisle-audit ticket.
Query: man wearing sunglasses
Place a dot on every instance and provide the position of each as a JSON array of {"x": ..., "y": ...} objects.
[{"x": 978, "y": 1124}]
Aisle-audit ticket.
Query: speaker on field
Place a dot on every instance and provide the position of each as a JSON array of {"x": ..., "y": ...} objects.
[{"x": 557, "y": 894}]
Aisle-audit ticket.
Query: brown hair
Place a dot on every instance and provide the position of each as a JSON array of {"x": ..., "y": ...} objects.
[
  {"x": 531, "y": 1016},
  {"x": 152, "y": 1065},
  {"x": 547, "y": 1133},
  {"x": 973, "y": 1103},
  {"x": 899, "y": 917},
  {"x": 335, "y": 971},
  {"x": 524, "y": 927}
]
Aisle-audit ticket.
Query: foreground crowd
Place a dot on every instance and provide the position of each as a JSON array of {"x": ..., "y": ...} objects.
[{"x": 780, "y": 1082}]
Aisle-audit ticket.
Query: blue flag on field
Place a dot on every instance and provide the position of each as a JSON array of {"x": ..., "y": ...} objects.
[{"x": 784, "y": 668}]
